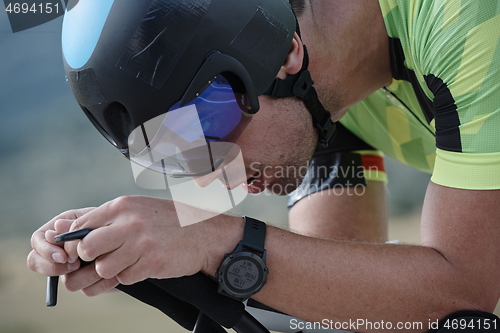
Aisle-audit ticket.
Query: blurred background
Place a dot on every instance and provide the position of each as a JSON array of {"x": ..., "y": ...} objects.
[{"x": 52, "y": 160}]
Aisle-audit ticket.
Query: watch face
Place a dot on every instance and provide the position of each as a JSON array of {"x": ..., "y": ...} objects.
[{"x": 243, "y": 274}]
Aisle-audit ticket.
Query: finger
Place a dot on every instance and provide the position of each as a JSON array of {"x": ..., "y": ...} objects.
[
  {"x": 67, "y": 215},
  {"x": 40, "y": 265},
  {"x": 113, "y": 290},
  {"x": 60, "y": 226},
  {"x": 57, "y": 256},
  {"x": 134, "y": 273},
  {"x": 71, "y": 249},
  {"x": 82, "y": 278},
  {"x": 63, "y": 225},
  {"x": 99, "y": 242},
  {"x": 95, "y": 219},
  {"x": 88, "y": 281},
  {"x": 102, "y": 286},
  {"x": 49, "y": 236},
  {"x": 75, "y": 213},
  {"x": 139, "y": 271},
  {"x": 102, "y": 216},
  {"x": 44, "y": 244},
  {"x": 115, "y": 262}
]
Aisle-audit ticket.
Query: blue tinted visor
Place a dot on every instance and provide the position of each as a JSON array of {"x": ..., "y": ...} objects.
[{"x": 194, "y": 139}]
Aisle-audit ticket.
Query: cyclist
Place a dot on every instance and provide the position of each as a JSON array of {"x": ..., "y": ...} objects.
[{"x": 402, "y": 77}]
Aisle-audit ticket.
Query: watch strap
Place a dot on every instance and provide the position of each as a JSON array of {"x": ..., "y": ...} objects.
[{"x": 254, "y": 235}]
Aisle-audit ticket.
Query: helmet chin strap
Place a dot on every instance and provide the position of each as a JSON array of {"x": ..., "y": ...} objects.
[{"x": 301, "y": 85}]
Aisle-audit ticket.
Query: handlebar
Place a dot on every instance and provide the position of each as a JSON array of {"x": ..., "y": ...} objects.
[{"x": 193, "y": 302}]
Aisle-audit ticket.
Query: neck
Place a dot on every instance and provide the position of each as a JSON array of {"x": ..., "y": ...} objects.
[{"x": 349, "y": 50}]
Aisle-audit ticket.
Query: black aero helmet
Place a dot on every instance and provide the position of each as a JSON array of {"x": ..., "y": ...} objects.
[{"x": 129, "y": 62}]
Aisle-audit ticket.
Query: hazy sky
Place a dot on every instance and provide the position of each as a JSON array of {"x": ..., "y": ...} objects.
[
  {"x": 31, "y": 64},
  {"x": 51, "y": 158}
]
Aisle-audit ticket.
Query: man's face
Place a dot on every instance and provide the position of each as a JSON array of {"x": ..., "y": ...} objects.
[{"x": 277, "y": 146}]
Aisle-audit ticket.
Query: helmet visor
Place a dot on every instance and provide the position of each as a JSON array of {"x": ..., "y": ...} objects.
[{"x": 194, "y": 139}]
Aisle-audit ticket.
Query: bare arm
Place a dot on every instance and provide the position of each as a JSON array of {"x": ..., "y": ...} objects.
[
  {"x": 456, "y": 268},
  {"x": 356, "y": 213},
  {"x": 311, "y": 278}
]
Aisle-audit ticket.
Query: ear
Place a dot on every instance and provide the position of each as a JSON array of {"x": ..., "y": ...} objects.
[{"x": 294, "y": 59}]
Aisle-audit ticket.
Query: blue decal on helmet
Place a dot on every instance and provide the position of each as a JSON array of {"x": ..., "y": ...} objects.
[{"x": 82, "y": 27}]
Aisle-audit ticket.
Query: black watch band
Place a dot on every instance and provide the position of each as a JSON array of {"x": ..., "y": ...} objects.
[{"x": 254, "y": 235}]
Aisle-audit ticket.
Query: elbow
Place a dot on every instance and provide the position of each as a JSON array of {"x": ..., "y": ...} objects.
[
  {"x": 461, "y": 304},
  {"x": 479, "y": 290},
  {"x": 465, "y": 289},
  {"x": 479, "y": 293},
  {"x": 485, "y": 301}
]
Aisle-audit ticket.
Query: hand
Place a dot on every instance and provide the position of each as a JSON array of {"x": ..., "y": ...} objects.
[
  {"x": 50, "y": 259},
  {"x": 47, "y": 257},
  {"x": 135, "y": 238}
]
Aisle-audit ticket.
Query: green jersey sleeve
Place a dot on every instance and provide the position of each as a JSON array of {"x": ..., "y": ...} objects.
[{"x": 445, "y": 57}]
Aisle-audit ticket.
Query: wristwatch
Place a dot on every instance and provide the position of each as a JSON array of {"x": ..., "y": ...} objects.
[{"x": 243, "y": 272}]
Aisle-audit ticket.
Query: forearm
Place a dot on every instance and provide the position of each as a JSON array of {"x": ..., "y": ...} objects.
[
  {"x": 318, "y": 279},
  {"x": 315, "y": 279}
]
